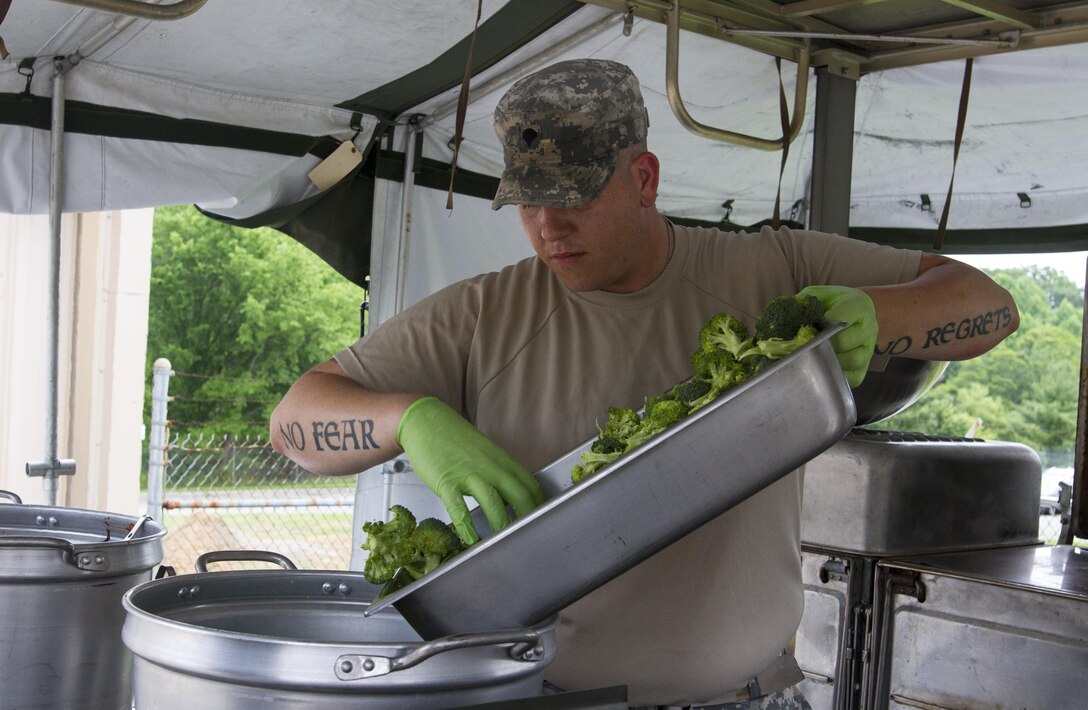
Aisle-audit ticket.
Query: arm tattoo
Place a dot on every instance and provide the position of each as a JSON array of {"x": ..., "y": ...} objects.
[
  {"x": 982, "y": 324},
  {"x": 332, "y": 435},
  {"x": 894, "y": 347}
]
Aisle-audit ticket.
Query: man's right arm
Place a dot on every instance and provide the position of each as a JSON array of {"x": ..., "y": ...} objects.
[{"x": 329, "y": 424}]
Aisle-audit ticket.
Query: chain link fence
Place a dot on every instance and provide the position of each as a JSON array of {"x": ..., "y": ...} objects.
[{"x": 222, "y": 493}]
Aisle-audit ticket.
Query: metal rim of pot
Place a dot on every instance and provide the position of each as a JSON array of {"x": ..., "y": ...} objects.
[
  {"x": 160, "y": 628},
  {"x": 43, "y": 543}
]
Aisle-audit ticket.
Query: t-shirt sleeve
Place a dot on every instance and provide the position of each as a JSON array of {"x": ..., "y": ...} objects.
[
  {"x": 821, "y": 258},
  {"x": 424, "y": 350}
]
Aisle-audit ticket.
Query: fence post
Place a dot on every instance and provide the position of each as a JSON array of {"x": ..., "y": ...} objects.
[{"x": 156, "y": 450}]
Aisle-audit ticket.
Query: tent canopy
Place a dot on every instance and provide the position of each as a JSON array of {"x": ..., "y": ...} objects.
[{"x": 229, "y": 104}]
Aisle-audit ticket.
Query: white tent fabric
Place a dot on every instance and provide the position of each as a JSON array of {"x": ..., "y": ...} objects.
[
  {"x": 106, "y": 173},
  {"x": 285, "y": 65},
  {"x": 1027, "y": 131}
]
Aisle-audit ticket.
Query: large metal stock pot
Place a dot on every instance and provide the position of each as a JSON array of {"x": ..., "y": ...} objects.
[
  {"x": 63, "y": 572},
  {"x": 260, "y": 639}
]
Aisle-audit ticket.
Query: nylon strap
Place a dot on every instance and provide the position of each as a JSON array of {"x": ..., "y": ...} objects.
[
  {"x": 784, "y": 115},
  {"x": 961, "y": 119},
  {"x": 462, "y": 105}
]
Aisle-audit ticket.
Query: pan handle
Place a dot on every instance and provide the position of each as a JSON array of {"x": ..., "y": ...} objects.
[
  {"x": 355, "y": 667},
  {"x": 13, "y": 497},
  {"x": 201, "y": 564}
]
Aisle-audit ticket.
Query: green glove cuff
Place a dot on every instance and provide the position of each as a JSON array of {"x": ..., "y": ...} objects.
[{"x": 421, "y": 405}]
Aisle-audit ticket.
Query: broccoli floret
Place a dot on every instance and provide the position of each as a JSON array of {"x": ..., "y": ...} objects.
[
  {"x": 432, "y": 542},
  {"x": 690, "y": 391},
  {"x": 664, "y": 396},
  {"x": 663, "y": 414},
  {"x": 621, "y": 423},
  {"x": 720, "y": 370},
  {"x": 388, "y": 545},
  {"x": 608, "y": 445},
  {"x": 400, "y": 551},
  {"x": 774, "y": 348},
  {"x": 785, "y": 315},
  {"x": 591, "y": 462},
  {"x": 725, "y": 332}
]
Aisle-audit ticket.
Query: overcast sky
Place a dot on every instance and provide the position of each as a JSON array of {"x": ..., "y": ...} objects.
[{"x": 1071, "y": 263}]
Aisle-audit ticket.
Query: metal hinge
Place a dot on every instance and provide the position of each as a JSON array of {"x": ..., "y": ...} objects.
[
  {"x": 832, "y": 569},
  {"x": 907, "y": 582}
]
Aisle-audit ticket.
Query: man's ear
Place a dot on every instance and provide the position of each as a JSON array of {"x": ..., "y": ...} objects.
[{"x": 647, "y": 171}]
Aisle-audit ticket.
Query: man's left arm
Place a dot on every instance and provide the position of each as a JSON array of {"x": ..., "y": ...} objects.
[{"x": 950, "y": 311}]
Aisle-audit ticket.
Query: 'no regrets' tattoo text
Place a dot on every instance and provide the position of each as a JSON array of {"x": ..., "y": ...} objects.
[
  {"x": 345, "y": 435},
  {"x": 984, "y": 324}
]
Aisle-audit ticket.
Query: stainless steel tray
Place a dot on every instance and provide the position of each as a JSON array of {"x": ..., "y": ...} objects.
[
  {"x": 585, "y": 535},
  {"x": 891, "y": 493}
]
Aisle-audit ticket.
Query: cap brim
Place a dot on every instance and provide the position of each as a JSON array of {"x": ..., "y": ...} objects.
[{"x": 553, "y": 185}]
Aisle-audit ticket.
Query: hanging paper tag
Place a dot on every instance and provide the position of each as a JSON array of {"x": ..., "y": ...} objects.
[{"x": 339, "y": 163}]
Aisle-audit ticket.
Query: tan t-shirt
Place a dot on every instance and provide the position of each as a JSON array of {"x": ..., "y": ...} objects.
[{"x": 535, "y": 366}]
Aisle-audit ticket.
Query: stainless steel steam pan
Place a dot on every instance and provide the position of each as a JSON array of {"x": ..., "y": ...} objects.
[{"x": 586, "y": 534}]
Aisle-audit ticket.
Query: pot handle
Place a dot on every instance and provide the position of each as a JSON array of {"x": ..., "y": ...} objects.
[
  {"x": 355, "y": 667},
  {"x": 66, "y": 549},
  {"x": 89, "y": 560},
  {"x": 13, "y": 497},
  {"x": 275, "y": 558}
]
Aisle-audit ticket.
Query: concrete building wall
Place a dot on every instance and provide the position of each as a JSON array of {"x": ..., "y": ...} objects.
[{"x": 104, "y": 284}]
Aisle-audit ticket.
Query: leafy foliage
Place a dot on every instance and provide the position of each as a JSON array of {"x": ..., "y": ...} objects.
[
  {"x": 1024, "y": 390},
  {"x": 240, "y": 314}
]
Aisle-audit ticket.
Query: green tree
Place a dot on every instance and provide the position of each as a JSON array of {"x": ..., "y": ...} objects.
[
  {"x": 240, "y": 314},
  {"x": 1024, "y": 390}
]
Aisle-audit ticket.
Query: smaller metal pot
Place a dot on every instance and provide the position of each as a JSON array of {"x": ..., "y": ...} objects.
[
  {"x": 299, "y": 639},
  {"x": 62, "y": 574}
]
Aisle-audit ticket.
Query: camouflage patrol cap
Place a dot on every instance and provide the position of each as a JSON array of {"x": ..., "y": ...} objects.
[{"x": 560, "y": 129}]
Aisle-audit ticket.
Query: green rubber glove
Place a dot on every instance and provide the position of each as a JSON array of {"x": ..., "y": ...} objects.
[
  {"x": 454, "y": 459},
  {"x": 854, "y": 344}
]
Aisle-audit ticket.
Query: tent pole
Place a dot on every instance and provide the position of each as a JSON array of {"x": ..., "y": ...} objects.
[
  {"x": 413, "y": 143},
  {"x": 832, "y": 152},
  {"x": 146, "y": 10},
  {"x": 52, "y": 467},
  {"x": 680, "y": 111}
]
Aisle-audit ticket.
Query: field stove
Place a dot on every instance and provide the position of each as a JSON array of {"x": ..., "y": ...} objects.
[{"x": 881, "y": 495}]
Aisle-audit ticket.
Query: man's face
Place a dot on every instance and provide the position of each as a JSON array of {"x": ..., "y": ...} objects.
[{"x": 601, "y": 245}]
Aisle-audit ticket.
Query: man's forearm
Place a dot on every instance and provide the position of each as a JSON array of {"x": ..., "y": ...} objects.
[
  {"x": 951, "y": 311},
  {"x": 330, "y": 425}
]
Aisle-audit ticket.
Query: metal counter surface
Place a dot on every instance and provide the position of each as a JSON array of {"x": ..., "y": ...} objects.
[{"x": 1060, "y": 569}]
